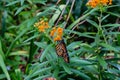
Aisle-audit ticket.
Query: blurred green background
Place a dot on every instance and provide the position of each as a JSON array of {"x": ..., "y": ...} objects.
[{"x": 92, "y": 39}]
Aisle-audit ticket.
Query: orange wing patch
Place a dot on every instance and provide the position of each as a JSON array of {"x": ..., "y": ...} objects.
[{"x": 62, "y": 51}]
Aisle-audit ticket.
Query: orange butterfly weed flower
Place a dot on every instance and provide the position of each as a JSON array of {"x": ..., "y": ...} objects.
[
  {"x": 95, "y": 3},
  {"x": 42, "y": 25},
  {"x": 57, "y": 38},
  {"x": 56, "y": 33},
  {"x": 60, "y": 31},
  {"x": 53, "y": 31}
]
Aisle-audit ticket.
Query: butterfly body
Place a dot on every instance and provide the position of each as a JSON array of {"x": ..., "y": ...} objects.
[{"x": 61, "y": 50}]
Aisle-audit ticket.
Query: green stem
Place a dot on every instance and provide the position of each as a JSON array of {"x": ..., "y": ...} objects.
[{"x": 100, "y": 27}]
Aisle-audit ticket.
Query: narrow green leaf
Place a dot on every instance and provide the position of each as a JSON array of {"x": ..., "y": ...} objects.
[
  {"x": 1, "y": 51},
  {"x": 3, "y": 66},
  {"x": 81, "y": 74},
  {"x": 109, "y": 47},
  {"x": 114, "y": 14},
  {"x": 22, "y": 2},
  {"x": 81, "y": 34},
  {"x": 66, "y": 68},
  {"x": 80, "y": 61},
  {"x": 38, "y": 73},
  {"x": 12, "y": 3},
  {"x": 81, "y": 18},
  {"x": 41, "y": 44},
  {"x": 40, "y": 1},
  {"x": 92, "y": 69},
  {"x": 19, "y": 53},
  {"x": 56, "y": 15},
  {"x": 111, "y": 25},
  {"x": 32, "y": 37},
  {"x": 18, "y": 74},
  {"x": 114, "y": 71},
  {"x": 115, "y": 33},
  {"x": 86, "y": 46},
  {"x": 41, "y": 77},
  {"x": 37, "y": 67},
  {"x": 93, "y": 23},
  {"x": 45, "y": 52},
  {"x": 102, "y": 62},
  {"x": 73, "y": 45},
  {"x": 105, "y": 17},
  {"x": 20, "y": 9}
]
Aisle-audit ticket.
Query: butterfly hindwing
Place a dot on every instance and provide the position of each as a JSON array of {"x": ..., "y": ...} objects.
[{"x": 62, "y": 51}]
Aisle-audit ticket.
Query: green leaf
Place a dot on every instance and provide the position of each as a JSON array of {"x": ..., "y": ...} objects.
[
  {"x": 3, "y": 66},
  {"x": 12, "y": 3},
  {"x": 18, "y": 74},
  {"x": 38, "y": 72},
  {"x": 56, "y": 15},
  {"x": 81, "y": 18},
  {"x": 66, "y": 68},
  {"x": 114, "y": 71},
  {"x": 81, "y": 74},
  {"x": 45, "y": 52},
  {"x": 42, "y": 77},
  {"x": 115, "y": 33},
  {"x": 1, "y": 51},
  {"x": 41, "y": 44},
  {"x": 19, "y": 53},
  {"x": 80, "y": 62},
  {"x": 114, "y": 14},
  {"x": 31, "y": 21},
  {"x": 56, "y": 72},
  {"x": 109, "y": 47},
  {"x": 22, "y": 2},
  {"x": 93, "y": 23},
  {"x": 86, "y": 46},
  {"x": 20, "y": 9},
  {"x": 92, "y": 69},
  {"x": 40, "y": 1},
  {"x": 118, "y": 39},
  {"x": 111, "y": 25},
  {"x": 102, "y": 62},
  {"x": 47, "y": 11},
  {"x": 85, "y": 34},
  {"x": 73, "y": 45},
  {"x": 32, "y": 37},
  {"x": 104, "y": 17}
]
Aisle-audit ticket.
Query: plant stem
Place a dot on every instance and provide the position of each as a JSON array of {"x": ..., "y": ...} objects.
[
  {"x": 62, "y": 13},
  {"x": 73, "y": 2},
  {"x": 100, "y": 26}
]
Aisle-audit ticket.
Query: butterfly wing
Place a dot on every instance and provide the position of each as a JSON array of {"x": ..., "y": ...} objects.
[{"x": 62, "y": 51}]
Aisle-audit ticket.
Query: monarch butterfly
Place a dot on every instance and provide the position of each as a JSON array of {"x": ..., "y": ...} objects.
[{"x": 62, "y": 51}]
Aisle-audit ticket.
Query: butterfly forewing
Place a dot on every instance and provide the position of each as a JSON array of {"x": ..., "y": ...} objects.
[{"x": 62, "y": 51}]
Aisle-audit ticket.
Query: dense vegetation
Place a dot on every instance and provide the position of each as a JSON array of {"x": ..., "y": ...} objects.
[{"x": 29, "y": 34}]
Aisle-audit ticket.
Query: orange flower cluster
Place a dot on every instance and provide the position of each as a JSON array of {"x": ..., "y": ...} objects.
[
  {"x": 95, "y": 3},
  {"x": 56, "y": 33},
  {"x": 42, "y": 25}
]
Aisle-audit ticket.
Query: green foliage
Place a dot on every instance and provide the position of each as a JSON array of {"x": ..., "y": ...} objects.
[{"x": 92, "y": 39}]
